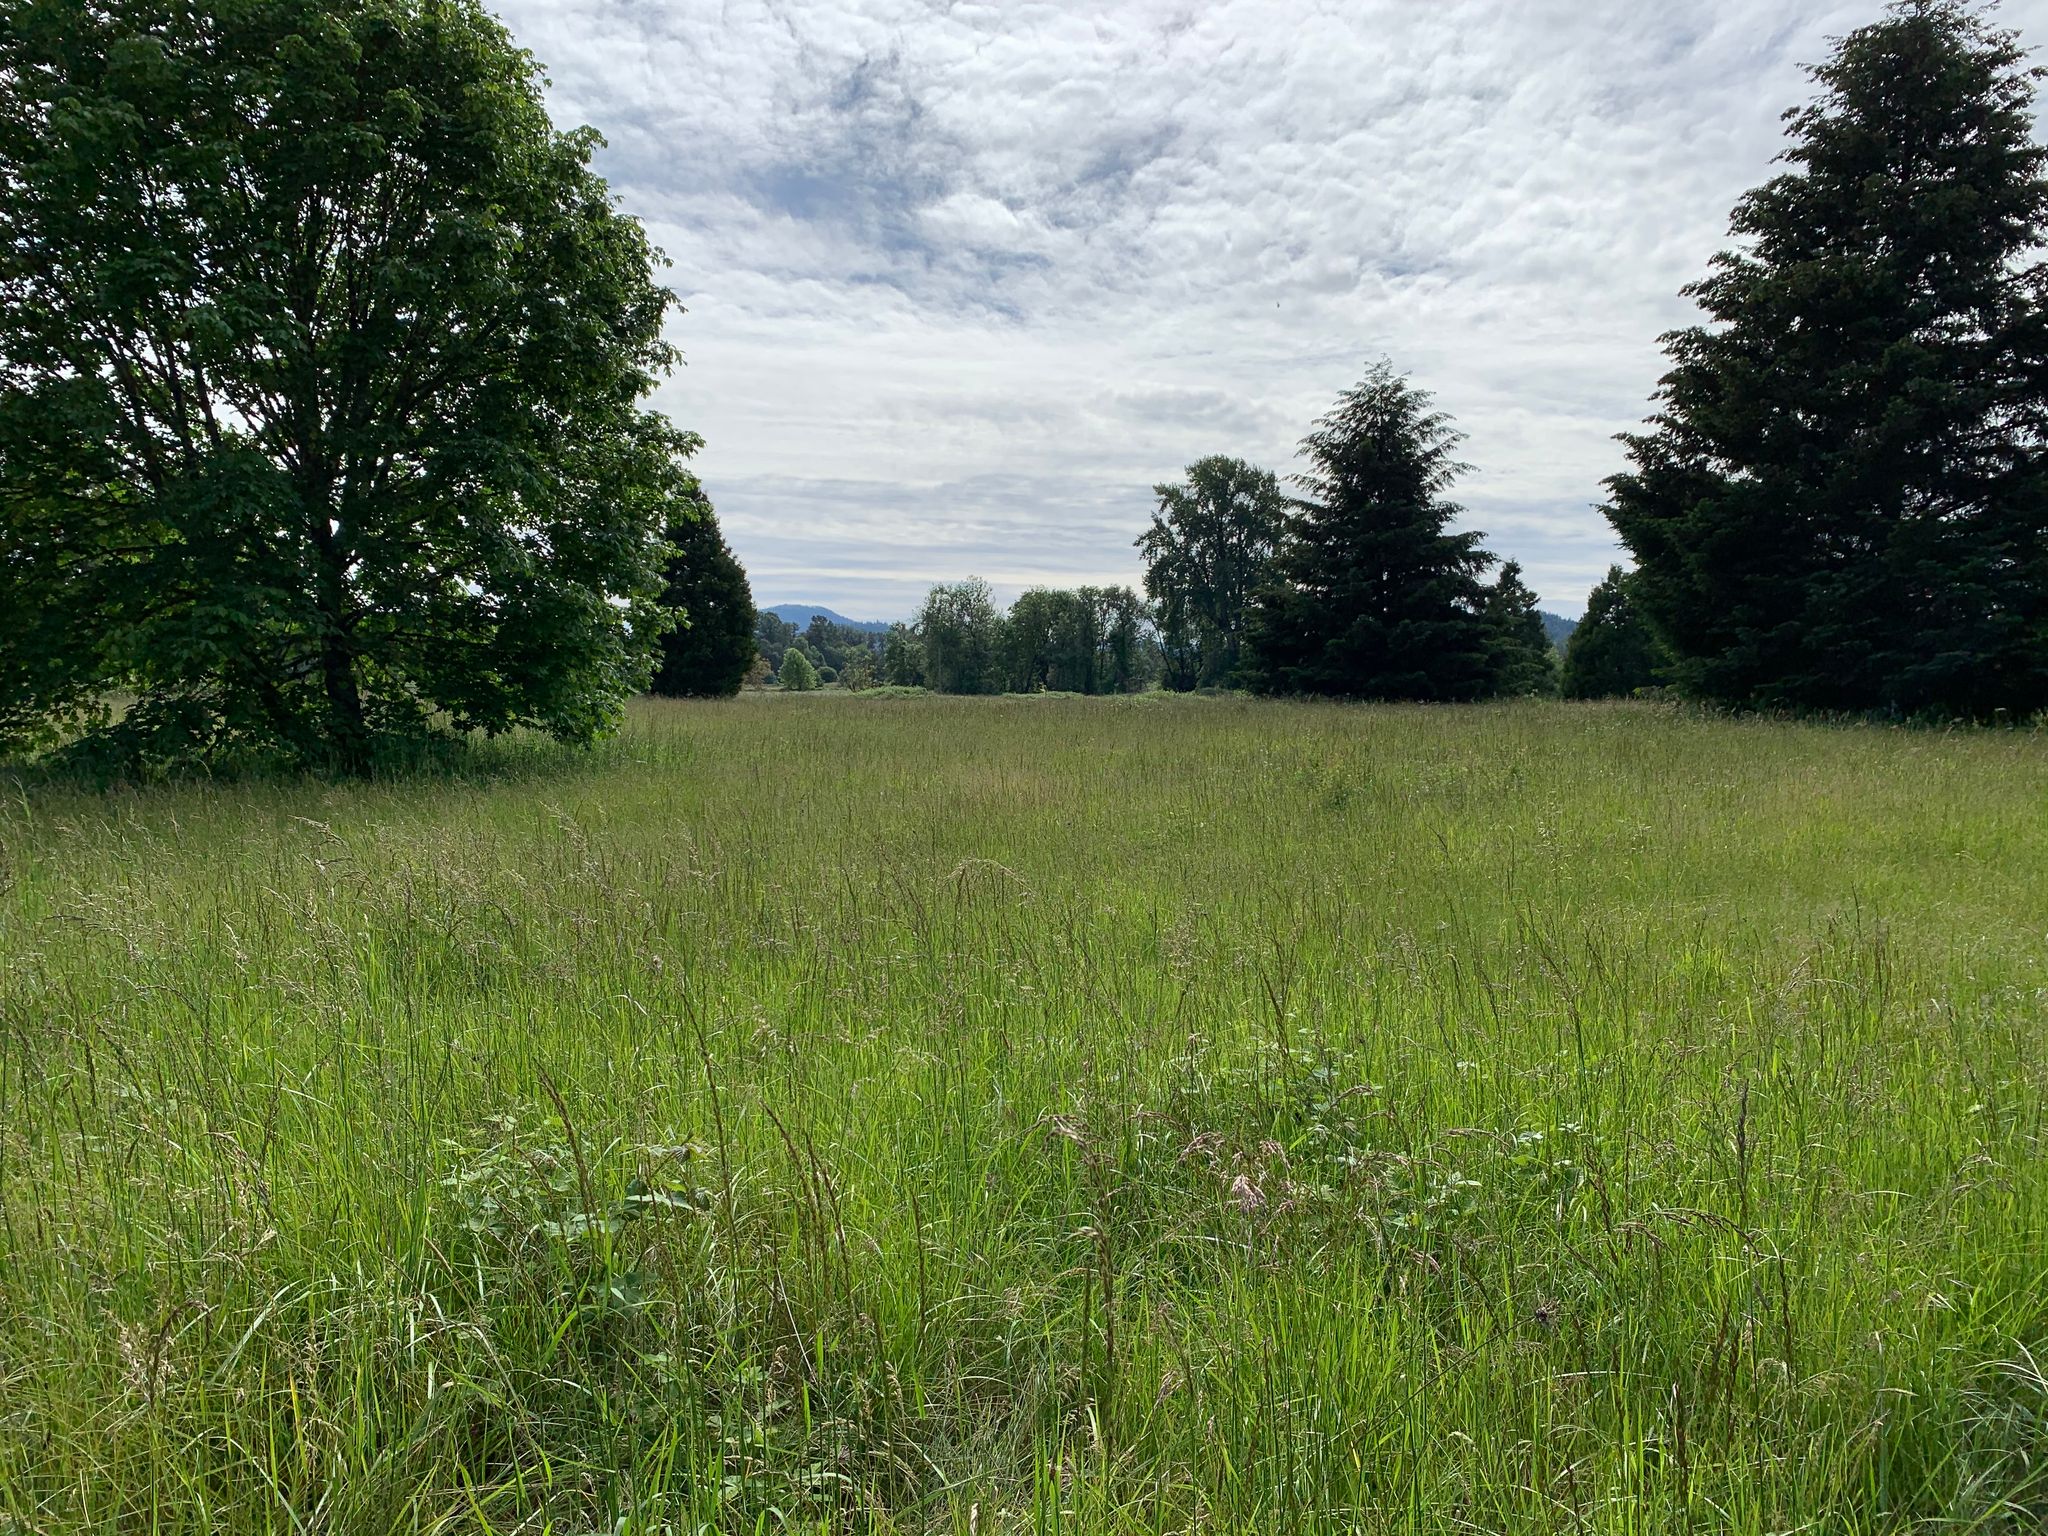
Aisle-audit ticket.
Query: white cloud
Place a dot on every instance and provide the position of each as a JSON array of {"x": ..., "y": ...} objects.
[{"x": 964, "y": 281}]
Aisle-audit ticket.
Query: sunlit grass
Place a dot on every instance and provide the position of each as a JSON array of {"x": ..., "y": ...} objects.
[{"x": 928, "y": 1114}]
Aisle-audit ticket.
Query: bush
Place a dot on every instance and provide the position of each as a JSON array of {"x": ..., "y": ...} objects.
[{"x": 797, "y": 672}]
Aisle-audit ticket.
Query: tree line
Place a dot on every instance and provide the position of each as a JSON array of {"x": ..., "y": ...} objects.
[
  {"x": 324, "y": 364},
  {"x": 1086, "y": 640}
]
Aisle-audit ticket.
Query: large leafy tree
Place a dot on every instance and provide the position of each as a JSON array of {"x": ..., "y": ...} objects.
[
  {"x": 1613, "y": 652},
  {"x": 961, "y": 631},
  {"x": 1842, "y": 501},
  {"x": 708, "y": 652},
  {"x": 1086, "y": 640},
  {"x": 902, "y": 657},
  {"x": 322, "y": 357},
  {"x": 1209, "y": 549},
  {"x": 1375, "y": 596}
]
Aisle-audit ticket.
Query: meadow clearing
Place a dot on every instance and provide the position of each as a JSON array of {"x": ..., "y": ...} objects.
[{"x": 825, "y": 1113}]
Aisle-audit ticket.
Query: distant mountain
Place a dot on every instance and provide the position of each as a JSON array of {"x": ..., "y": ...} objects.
[
  {"x": 800, "y": 615},
  {"x": 1559, "y": 630}
]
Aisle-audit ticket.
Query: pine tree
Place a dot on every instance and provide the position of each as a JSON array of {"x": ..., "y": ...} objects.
[
  {"x": 1842, "y": 502},
  {"x": 1614, "y": 652},
  {"x": 708, "y": 652},
  {"x": 1376, "y": 598},
  {"x": 1524, "y": 660}
]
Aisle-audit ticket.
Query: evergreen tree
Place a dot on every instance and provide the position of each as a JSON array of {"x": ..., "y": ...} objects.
[
  {"x": 1614, "y": 652},
  {"x": 797, "y": 674},
  {"x": 1376, "y": 597},
  {"x": 1524, "y": 660},
  {"x": 709, "y": 651},
  {"x": 1842, "y": 501}
]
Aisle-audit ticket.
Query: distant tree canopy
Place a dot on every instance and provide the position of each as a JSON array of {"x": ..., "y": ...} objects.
[
  {"x": 961, "y": 631},
  {"x": 773, "y": 636},
  {"x": 1524, "y": 660},
  {"x": 796, "y": 673},
  {"x": 708, "y": 652},
  {"x": 1373, "y": 595},
  {"x": 321, "y": 360},
  {"x": 1614, "y": 652},
  {"x": 1209, "y": 549},
  {"x": 903, "y": 657},
  {"x": 824, "y": 644},
  {"x": 1089, "y": 640},
  {"x": 1842, "y": 501}
]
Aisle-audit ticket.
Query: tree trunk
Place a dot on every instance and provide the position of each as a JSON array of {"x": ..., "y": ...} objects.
[
  {"x": 345, "y": 729},
  {"x": 347, "y": 737}
]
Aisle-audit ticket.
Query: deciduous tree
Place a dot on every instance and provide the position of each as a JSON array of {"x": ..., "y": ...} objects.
[
  {"x": 961, "y": 631},
  {"x": 1209, "y": 549},
  {"x": 322, "y": 356},
  {"x": 797, "y": 674}
]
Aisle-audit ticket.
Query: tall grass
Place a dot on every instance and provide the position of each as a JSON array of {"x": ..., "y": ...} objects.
[{"x": 979, "y": 1116}]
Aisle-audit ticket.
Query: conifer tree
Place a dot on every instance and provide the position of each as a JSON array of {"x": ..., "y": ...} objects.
[
  {"x": 1613, "y": 653},
  {"x": 1842, "y": 501},
  {"x": 1376, "y": 597},
  {"x": 1524, "y": 660},
  {"x": 708, "y": 652}
]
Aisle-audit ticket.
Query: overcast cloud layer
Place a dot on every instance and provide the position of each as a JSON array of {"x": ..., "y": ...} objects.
[{"x": 965, "y": 280}]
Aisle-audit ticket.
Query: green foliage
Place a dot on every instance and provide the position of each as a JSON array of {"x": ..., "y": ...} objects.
[
  {"x": 1060, "y": 1115},
  {"x": 840, "y": 646},
  {"x": 1086, "y": 641},
  {"x": 960, "y": 631},
  {"x": 903, "y": 657},
  {"x": 1374, "y": 596},
  {"x": 1842, "y": 502},
  {"x": 1524, "y": 660},
  {"x": 859, "y": 671},
  {"x": 320, "y": 361},
  {"x": 897, "y": 691},
  {"x": 1209, "y": 550},
  {"x": 824, "y": 643},
  {"x": 1613, "y": 653},
  {"x": 797, "y": 674},
  {"x": 773, "y": 636},
  {"x": 709, "y": 651}
]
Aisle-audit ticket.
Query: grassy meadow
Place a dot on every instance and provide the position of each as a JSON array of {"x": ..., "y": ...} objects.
[{"x": 934, "y": 1115}]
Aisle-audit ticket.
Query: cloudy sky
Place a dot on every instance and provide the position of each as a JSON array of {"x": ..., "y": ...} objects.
[{"x": 965, "y": 280}]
